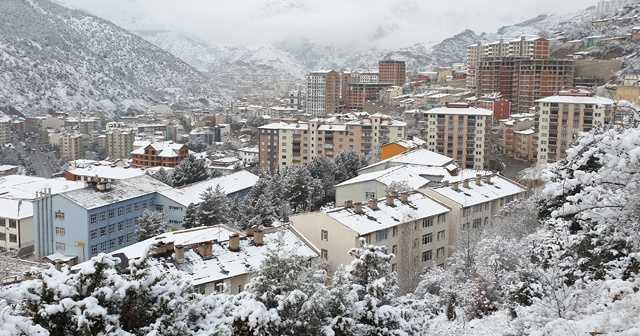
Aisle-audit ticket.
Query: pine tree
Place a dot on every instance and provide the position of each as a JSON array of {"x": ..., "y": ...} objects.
[
  {"x": 190, "y": 170},
  {"x": 163, "y": 176},
  {"x": 324, "y": 169},
  {"x": 348, "y": 162},
  {"x": 191, "y": 217},
  {"x": 151, "y": 224},
  {"x": 214, "y": 208}
]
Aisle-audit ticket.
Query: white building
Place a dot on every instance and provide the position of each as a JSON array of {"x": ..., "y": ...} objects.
[{"x": 249, "y": 155}]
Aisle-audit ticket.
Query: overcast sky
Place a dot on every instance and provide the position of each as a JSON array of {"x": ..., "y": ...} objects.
[{"x": 384, "y": 23}]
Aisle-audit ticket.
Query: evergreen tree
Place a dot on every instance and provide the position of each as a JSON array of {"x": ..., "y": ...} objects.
[
  {"x": 163, "y": 176},
  {"x": 190, "y": 170},
  {"x": 348, "y": 162},
  {"x": 151, "y": 224},
  {"x": 191, "y": 217},
  {"x": 324, "y": 169},
  {"x": 302, "y": 190},
  {"x": 214, "y": 208}
]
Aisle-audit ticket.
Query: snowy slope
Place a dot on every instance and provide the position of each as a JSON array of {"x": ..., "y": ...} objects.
[{"x": 55, "y": 58}]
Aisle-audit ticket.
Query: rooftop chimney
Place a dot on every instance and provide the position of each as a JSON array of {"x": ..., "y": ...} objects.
[
  {"x": 465, "y": 183},
  {"x": 404, "y": 197},
  {"x": 205, "y": 248},
  {"x": 348, "y": 203},
  {"x": 487, "y": 179},
  {"x": 478, "y": 179},
  {"x": 234, "y": 242},
  {"x": 357, "y": 207},
  {"x": 390, "y": 200},
  {"x": 373, "y": 204},
  {"x": 454, "y": 186},
  {"x": 179, "y": 250},
  {"x": 250, "y": 231},
  {"x": 394, "y": 193},
  {"x": 258, "y": 237}
]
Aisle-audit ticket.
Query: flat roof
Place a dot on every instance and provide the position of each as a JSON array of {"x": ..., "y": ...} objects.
[{"x": 25, "y": 187}]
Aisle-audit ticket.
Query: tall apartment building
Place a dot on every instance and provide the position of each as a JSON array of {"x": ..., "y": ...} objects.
[
  {"x": 559, "y": 118},
  {"x": 523, "y": 80},
  {"x": 355, "y": 76},
  {"x": 119, "y": 143},
  {"x": 359, "y": 93},
  {"x": 5, "y": 129},
  {"x": 284, "y": 145},
  {"x": 460, "y": 132},
  {"x": 71, "y": 146},
  {"x": 390, "y": 71},
  {"x": 610, "y": 6},
  {"x": 323, "y": 92},
  {"x": 526, "y": 46}
]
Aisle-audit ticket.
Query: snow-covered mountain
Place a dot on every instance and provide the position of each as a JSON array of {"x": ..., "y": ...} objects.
[{"x": 52, "y": 57}]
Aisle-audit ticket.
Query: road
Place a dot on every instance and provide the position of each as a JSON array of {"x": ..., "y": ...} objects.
[
  {"x": 512, "y": 166},
  {"x": 39, "y": 160}
]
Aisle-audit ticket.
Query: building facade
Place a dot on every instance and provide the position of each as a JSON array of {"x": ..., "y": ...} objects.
[
  {"x": 5, "y": 129},
  {"x": 71, "y": 146},
  {"x": 323, "y": 92},
  {"x": 158, "y": 154},
  {"x": 390, "y": 71},
  {"x": 119, "y": 143}
]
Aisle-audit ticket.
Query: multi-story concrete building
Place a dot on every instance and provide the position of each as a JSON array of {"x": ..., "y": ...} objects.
[
  {"x": 359, "y": 93},
  {"x": 610, "y": 6},
  {"x": 460, "y": 132},
  {"x": 5, "y": 129},
  {"x": 413, "y": 226},
  {"x": 390, "y": 71},
  {"x": 284, "y": 145},
  {"x": 71, "y": 146},
  {"x": 158, "y": 154},
  {"x": 353, "y": 77},
  {"x": 323, "y": 92},
  {"x": 119, "y": 143},
  {"x": 559, "y": 118},
  {"x": 517, "y": 137}
]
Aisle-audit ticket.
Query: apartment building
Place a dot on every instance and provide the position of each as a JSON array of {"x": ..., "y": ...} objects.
[
  {"x": 71, "y": 146},
  {"x": 119, "y": 143},
  {"x": 518, "y": 135},
  {"x": 5, "y": 129},
  {"x": 359, "y": 93},
  {"x": 353, "y": 77},
  {"x": 460, "y": 132},
  {"x": 538, "y": 78},
  {"x": 158, "y": 154},
  {"x": 559, "y": 118},
  {"x": 284, "y": 145},
  {"x": 323, "y": 92},
  {"x": 413, "y": 226},
  {"x": 390, "y": 71},
  {"x": 215, "y": 258},
  {"x": 474, "y": 202}
]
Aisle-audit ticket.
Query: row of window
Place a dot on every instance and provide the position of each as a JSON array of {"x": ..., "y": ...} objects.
[
  {"x": 121, "y": 210},
  {"x": 12, "y": 223},
  {"x": 13, "y": 238},
  {"x": 428, "y": 255},
  {"x": 102, "y": 247},
  {"x": 112, "y": 228}
]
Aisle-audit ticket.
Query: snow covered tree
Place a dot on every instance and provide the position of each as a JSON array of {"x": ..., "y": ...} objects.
[
  {"x": 302, "y": 190},
  {"x": 150, "y": 224},
  {"x": 324, "y": 169},
  {"x": 398, "y": 186},
  {"x": 191, "y": 216},
  {"x": 190, "y": 170},
  {"x": 163, "y": 176},
  {"x": 214, "y": 208}
]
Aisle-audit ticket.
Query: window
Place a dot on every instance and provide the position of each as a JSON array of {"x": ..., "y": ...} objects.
[
  {"x": 112, "y": 228},
  {"x": 324, "y": 254},
  {"x": 129, "y": 237},
  {"x": 129, "y": 223},
  {"x": 427, "y": 255},
  {"x": 103, "y": 215},
  {"x": 103, "y": 232},
  {"x": 442, "y": 218},
  {"x": 477, "y": 208},
  {"x": 427, "y": 222},
  {"x": 112, "y": 243},
  {"x": 394, "y": 249},
  {"x": 128, "y": 208},
  {"x": 324, "y": 235},
  {"x": 120, "y": 211},
  {"x": 171, "y": 207},
  {"x": 120, "y": 240},
  {"x": 94, "y": 249},
  {"x": 427, "y": 238},
  {"x": 3, "y": 236},
  {"x": 3, "y": 222},
  {"x": 120, "y": 226},
  {"x": 440, "y": 252},
  {"x": 12, "y": 223},
  {"x": 59, "y": 215},
  {"x": 394, "y": 267},
  {"x": 60, "y": 246},
  {"x": 103, "y": 246},
  {"x": 94, "y": 234},
  {"x": 394, "y": 231},
  {"x": 381, "y": 235},
  {"x": 441, "y": 235},
  {"x": 477, "y": 223},
  {"x": 137, "y": 206},
  {"x": 152, "y": 202},
  {"x": 112, "y": 213},
  {"x": 369, "y": 194},
  {"x": 160, "y": 208},
  {"x": 94, "y": 219},
  {"x": 144, "y": 204},
  {"x": 466, "y": 212},
  {"x": 60, "y": 231}
]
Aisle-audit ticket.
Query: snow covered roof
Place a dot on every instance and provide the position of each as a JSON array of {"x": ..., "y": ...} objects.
[
  {"x": 121, "y": 190},
  {"x": 418, "y": 206},
  {"x": 25, "y": 187},
  {"x": 474, "y": 194},
  {"x": 229, "y": 184},
  {"x": 7, "y": 167},
  {"x": 249, "y": 150},
  {"x": 575, "y": 100},
  {"x": 223, "y": 263},
  {"x": 525, "y": 132},
  {"x": 108, "y": 172},
  {"x": 459, "y": 111},
  {"x": 9, "y": 208},
  {"x": 283, "y": 125},
  {"x": 418, "y": 156},
  {"x": 165, "y": 148}
]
